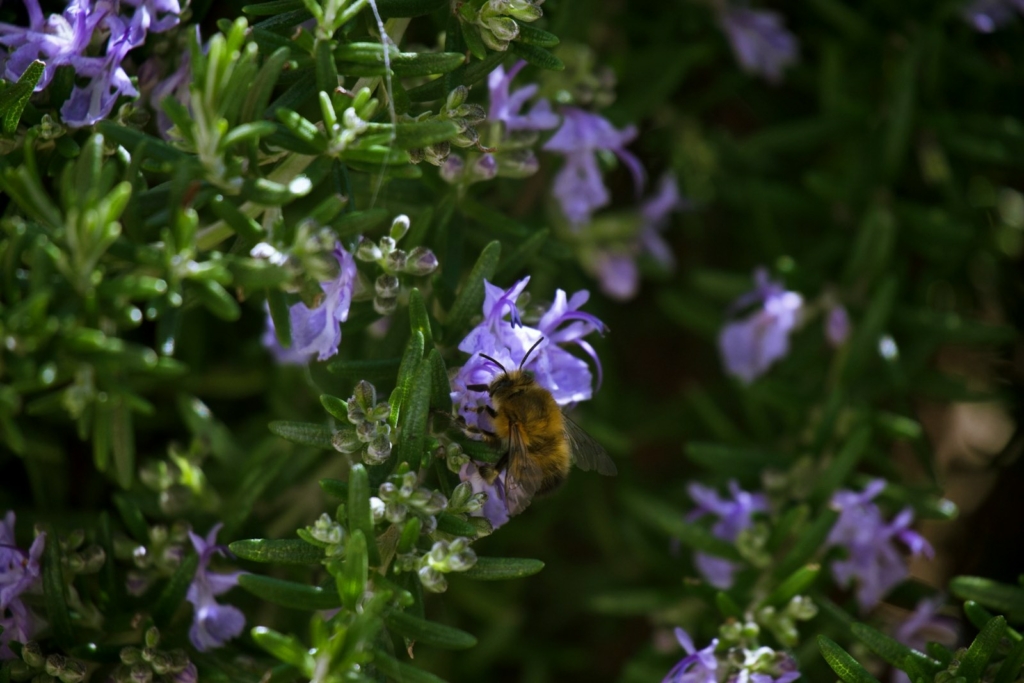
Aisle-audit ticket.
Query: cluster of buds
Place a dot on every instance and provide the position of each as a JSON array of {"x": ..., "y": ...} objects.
[
  {"x": 150, "y": 665},
  {"x": 465, "y": 115},
  {"x": 36, "y": 666},
  {"x": 782, "y": 624},
  {"x": 393, "y": 261},
  {"x": 399, "y": 496},
  {"x": 464, "y": 501},
  {"x": 496, "y": 19},
  {"x": 79, "y": 560},
  {"x": 157, "y": 559},
  {"x": 454, "y": 456},
  {"x": 444, "y": 557},
  {"x": 746, "y": 657},
  {"x": 583, "y": 82},
  {"x": 344, "y": 131},
  {"x": 371, "y": 435},
  {"x": 325, "y": 533},
  {"x": 178, "y": 480},
  {"x": 752, "y": 544}
]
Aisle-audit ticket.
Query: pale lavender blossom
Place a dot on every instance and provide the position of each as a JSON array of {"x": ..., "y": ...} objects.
[
  {"x": 735, "y": 515},
  {"x": 873, "y": 559},
  {"x": 213, "y": 624},
  {"x": 837, "y": 326},
  {"x": 318, "y": 330},
  {"x": 19, "y": 572},
  {"x": 64, "y": 39},
  {"x": 506, "y": 106},
  {"x": 752, "y": 344},
  {"x": 923, "y": 626},
  {"x": 495, "y": 509},
  {"x": 566, "y": 376},
  {"x": 988, "y": 15},
  {"x": 176, "y": 85},
  {"x": 579, "y": 187},
  {"x": 759, "y": 40},
  {"x": 698, "y": 666},
  {"x": 615, "y": 267}
]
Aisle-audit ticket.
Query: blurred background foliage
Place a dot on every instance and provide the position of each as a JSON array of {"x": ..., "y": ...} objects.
[{"x": 884, "y": 173}]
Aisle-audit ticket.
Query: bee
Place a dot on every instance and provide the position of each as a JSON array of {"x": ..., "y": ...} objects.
[{"x": 539, "y": 444}]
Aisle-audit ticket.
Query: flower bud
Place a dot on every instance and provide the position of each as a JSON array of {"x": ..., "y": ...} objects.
[
  {"x": 140, "y": 673},
  {"x": 456, "y": 97},
  {"x": 519, "y": 163},
  {"x": 452, "y": 169},
  {"x": 131, "y": 655},
  {"x": 377, "y": 509},
  {"x": 368, "y": 251},
  {"x": 484, "y": 168},
  {"x": 385, "y": 305},
  {"x": 161, "y": 662},
  {"x": 421, "y": 261},
  {"x": 399, "y": 227},
  {"x": 32, "y": 654},
  {"x": 74, "y": 671},
  {"x": 467, "y": 137},
  {"x": 436, "y": 154},
  {"x": 387, "y": 285},
  {"x": 73, "y": 540},
  {"x": 416, "y": 155},
  {"x": 346, "y": 440},
  {"x": 188, "y": 674},
  {"x": 378, "y": 451},
  {"x": 432, "y": 580}
]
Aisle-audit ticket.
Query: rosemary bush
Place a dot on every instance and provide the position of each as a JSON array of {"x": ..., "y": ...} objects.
[{"x": 259, "y": 262}]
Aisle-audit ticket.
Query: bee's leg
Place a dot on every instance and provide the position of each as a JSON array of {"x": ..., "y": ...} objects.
[
  {"x": 489, "y": 410},
  {"x": 490, "y": 472}
]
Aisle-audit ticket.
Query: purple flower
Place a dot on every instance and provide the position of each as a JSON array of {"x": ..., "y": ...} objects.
[
  {"x": 175, "y": 85},
  {"x": 19, "y": 572},
  {"x": 837, "y": 326},
  {"x": 761, "y": 43},
  {"x": 751, "y": 345},
  {"x": 566, "y": 376},
  {"x": 579, "y": 187},
  {"x": 62, "y": 40},
  {"x": 318, "y": 330},
  {"x": 698, "y": 666},
  {"x": 734, "y": 516},
  {"x": 616, "y": 268},
  {"x": 506, "y": 107},
  {"x": 988, "y": 15},
  {"x": 495, "y": 509},
  {"x": 213, "y": 624},
  {"x": 924, "y": 625},
  {"x": 873, "y": 559}
]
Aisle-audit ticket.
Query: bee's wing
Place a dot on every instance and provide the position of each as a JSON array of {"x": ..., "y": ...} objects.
[
  {"x": 523, "y": 476},
  {"x": 587, "y": 453}
]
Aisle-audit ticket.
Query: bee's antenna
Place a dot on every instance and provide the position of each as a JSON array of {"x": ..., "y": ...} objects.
[
  {"x": 484, "y": 355},
  {"x": 535, "y": 345}
]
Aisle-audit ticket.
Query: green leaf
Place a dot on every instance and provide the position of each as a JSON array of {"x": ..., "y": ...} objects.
[
  {"x": 440, "y": 387},
  {"x": 357, "y": 222},
  {"x": 288, "y": 649},
  {"x": 216, "y": 299},
  {"x": 367, "y": 59},
  {"x": 522, "y": 254},
  {"x": 335, "y": 488},
  {"x": 736, "y": 460},
  {"x": 132, "y": 517},
  {"x": 673, "y": 522},
  {"x": 844, "y": 462},
  {"x": 409, "y": 8},
  {"x": 981, "y": 650},
  {"x": 537, "y": 56},
  {"x": 467, "y": 74},
  {"x": 351, "y": 580},
  {"x": 336, "y": 407},
  {"x": 175, "y": 591},
  {"x": 429, "y": 632},
  {"x": 471, "y": 296},
  {"x": 54, "y": 597},
  {"x": 375, "y": 370},
  {"x": 304, "y": 433},
  {"x": 131, "y": 139},
  {"x": 502, "y": 568},
  {"x": 864, "y": 343},
  {"x": 412, "y": 436},
  {"x": 727, "y": 606},
  {"x": 531, "y": 35},
  {"x": 405, "y": 673},
  {"x": 1011, "y": 666},
  {"x": 979, "y": 616},
  {"x": 845, "y": 666},
  {"x": 289, "y": 593},
  {"x": 893, "y": 651},
  {"x": 808, "y": 543},
  {"x": 14, "y": 98},
  {"x": 795, "y": 584},
  {"x": 411, "y": 359},
  {"x": 269, "y": 9},
  {"x": 359, "y": 515},
  {"x": 419, "y": 319},
  {"x": 1003, "y": 598},
  {"x": 410, "y": 534},
  {"x": 278, "y": 551},
  {"x": 455, "y": 525}
]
